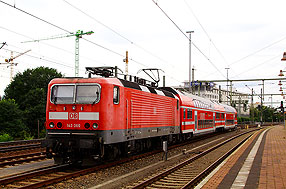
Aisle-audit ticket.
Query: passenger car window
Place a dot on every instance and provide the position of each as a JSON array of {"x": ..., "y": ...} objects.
[
  {"x": 184, "y": 113},
  {"x": 189, "y": 112}
]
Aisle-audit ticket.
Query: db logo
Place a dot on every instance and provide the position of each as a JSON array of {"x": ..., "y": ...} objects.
[{"x": 73, "y": 115}]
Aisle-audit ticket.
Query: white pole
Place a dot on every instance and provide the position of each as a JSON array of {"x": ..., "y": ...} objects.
[{"x": 190, "y": 60}]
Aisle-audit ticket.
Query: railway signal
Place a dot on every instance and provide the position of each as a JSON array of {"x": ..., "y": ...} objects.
[{"x": 78, "y": 34}]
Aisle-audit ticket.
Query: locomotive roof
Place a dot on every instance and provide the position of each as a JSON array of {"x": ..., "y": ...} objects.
[
  {"x": 159, "y": 91},
  {"x": 116, "y": 81}
]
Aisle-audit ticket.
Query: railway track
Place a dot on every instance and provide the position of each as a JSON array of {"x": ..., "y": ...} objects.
[
  {"x": 191, "y": 171},
  {"x": 52, "y": 175},
  {"x": 19, "y": 147},
  {"x": 32, "y": 178},
  {"x": 18, "y": 152},
  {"x": 20, "y": 142},
  {"x": 18, "y": 159},
  {"x": 48, "y": 176}
]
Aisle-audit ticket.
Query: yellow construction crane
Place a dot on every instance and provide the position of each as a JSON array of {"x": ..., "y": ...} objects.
[
  {"x": 78, "y": 35},
  {"x": 12, "y": 64}
]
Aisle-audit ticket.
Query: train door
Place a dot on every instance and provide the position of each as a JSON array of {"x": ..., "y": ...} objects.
[
  {"x": 128, "y": 114},
  {"x": 196, "y": 120},
  {"x": 214, "y": 120},
  {"x": 127, "y": 117}
]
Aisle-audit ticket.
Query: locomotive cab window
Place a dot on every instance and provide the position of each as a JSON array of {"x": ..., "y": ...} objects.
[
  {"x": 79, "y": 94},
  {"x": 116, "y": 95},
  {"x": 62, "y": 94},
  {"x": 87, "y": 94}
]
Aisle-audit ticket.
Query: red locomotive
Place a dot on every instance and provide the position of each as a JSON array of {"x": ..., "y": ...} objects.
[{"x": 94, "y": 118}]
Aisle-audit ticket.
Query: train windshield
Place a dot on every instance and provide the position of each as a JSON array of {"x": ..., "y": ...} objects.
[
  {"x": 79, "y": 94},
  {"x": 87, "y": 94},
  {"x": 62, "y": 94}
]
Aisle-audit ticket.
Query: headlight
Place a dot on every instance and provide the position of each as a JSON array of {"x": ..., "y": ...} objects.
[
  {"x": 86, "y": 125},
  {"x": 52, "y": 125},
  {"x": 59, "y": 124},
  {"x": 95, "y": 125}
]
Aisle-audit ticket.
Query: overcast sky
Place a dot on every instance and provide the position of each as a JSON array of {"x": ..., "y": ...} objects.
[{"x": 249, "y": 37}]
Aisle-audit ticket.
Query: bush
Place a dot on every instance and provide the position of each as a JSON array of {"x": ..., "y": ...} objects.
[
  {"x": 243, "y": 119},
  {"x": 26, "y": 136},
  {"x": 5, "y": 137},
  {"x": 43, "y": 133}
]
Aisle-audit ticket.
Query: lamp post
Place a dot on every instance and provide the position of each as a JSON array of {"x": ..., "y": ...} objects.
[
  {"x": 281, "y": 74},
  {"x": 281, "y": 89},
  {"x": 227, "y": 85},
  {"x": 252, "y": 107},
  {"x": 284, "y": 57},
  {"x": 190, "y": 60}
]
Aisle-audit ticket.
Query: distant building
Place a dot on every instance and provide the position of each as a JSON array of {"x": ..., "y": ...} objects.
[{"x": 238, "y": 100}]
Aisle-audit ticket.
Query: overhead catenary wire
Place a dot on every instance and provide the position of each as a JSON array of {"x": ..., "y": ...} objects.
[
  {"x": 256, "y": 66},
  {"x": 220, "y": 51},
  {"x": 42, "y": 58},
  {"x": 205, "y": 56},
  {"x": 210, "y": 39},
  {"x": 114, "y": 52},
  {"x": 13, "y": 6},
  {"x": 47, "y": 44},
  {"x": 117, "y": 33},
  {"x": 65, "y": 30},
  {"x": 4, "y": 43},
  {"x": 253, "y": 53},
  {"x": 257, "y": 51}
]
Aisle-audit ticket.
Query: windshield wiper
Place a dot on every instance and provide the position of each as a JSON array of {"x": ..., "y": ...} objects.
[{"x": 97, "y": 97}]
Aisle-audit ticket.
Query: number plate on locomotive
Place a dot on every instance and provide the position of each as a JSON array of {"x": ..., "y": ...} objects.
[{"x": 73, "y": 125}]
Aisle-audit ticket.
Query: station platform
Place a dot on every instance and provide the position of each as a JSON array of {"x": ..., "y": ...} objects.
[{"x": 259, "y": 163}]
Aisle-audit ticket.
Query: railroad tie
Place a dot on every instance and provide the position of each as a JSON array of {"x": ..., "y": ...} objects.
[
  {"x": 38, "y": 180},
  {"x": 26, "y": 182},
  {"x": 13, "y": 186}
]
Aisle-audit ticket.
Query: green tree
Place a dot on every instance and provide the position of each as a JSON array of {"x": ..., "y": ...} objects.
[
  {"x": 29, "y": 90},
  {"x": 269, "y": 114},
  {"x": 11, "y": 119}
]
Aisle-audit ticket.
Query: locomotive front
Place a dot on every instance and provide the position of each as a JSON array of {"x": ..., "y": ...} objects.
[{"x": 72, "y": 119}]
